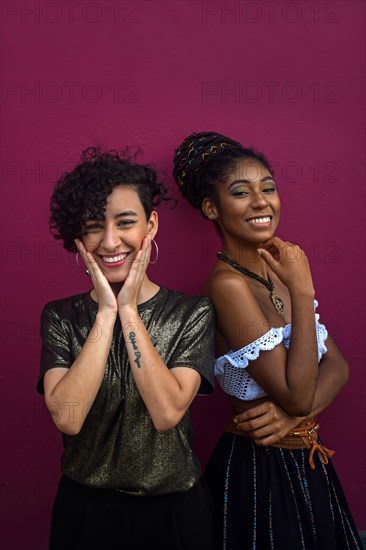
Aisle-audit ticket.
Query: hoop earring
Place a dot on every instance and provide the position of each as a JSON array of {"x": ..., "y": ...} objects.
[
  {"x": 157, "y": 252},
  {"x": 77, "y": 259}
]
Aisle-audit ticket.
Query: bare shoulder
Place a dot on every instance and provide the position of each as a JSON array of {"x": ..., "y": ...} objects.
[
  {"x": 224, "y": 282},
  {"x": 239, "y": 318}
]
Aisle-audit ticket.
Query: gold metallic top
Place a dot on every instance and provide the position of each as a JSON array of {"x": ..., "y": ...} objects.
[{"x": 118, "y": 446}]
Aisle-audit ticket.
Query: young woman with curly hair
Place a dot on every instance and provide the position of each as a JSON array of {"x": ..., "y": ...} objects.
[
  {"x": 273, "y": 483},
  {"x": 120, "y": 366}
]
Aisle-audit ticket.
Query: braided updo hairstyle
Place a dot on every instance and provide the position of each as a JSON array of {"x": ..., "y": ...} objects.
[
  {"x": 82, "y": 194},
  {"x": 203, "y": 160}
]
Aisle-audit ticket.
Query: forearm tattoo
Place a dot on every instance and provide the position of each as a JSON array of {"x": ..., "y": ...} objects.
[{"x": 132, "y": 339}]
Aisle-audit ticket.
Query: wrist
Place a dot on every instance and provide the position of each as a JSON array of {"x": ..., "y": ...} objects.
[
  {"x": 106, "y": 316},
  {"x": 130, "y": 323},
  {"x": 302, "y": 293},
  {"x": 128, "y": 314}
]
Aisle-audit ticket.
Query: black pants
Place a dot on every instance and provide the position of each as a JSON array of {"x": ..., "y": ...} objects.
[{"x": 98, "y": 519}]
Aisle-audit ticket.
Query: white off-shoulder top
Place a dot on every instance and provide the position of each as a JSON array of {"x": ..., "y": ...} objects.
[{"x": 230, "y": 369}]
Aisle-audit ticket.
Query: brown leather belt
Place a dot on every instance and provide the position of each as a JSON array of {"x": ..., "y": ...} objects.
[{"x": 304, "y": 436}]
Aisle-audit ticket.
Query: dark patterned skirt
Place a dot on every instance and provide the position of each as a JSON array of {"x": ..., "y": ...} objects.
[{"x": 268, "y": 498}]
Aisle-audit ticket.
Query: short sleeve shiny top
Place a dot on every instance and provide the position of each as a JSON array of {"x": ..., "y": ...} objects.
[{"x": 118, "y": 446}]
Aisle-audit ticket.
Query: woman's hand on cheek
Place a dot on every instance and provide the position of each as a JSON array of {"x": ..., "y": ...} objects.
[
  {"x": 105, "y": 296},
  {"x": 129, "y": 293}
]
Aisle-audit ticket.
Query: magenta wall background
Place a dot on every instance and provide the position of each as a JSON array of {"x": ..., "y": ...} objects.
[{"x": 286, "y": 77}]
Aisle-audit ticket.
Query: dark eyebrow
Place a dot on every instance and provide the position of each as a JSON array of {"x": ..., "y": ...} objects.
[
  {"x": 119, "y": 215},
  {"x": 125, "y": 213},
  {"x": 262, "y": 180}
]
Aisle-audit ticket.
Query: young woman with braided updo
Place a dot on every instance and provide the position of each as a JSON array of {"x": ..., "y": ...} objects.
[
  {"x": 272, "y": 481},
  {"x": 120, "y": 366}
]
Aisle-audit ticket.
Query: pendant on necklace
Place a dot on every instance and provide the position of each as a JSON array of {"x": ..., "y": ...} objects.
[{"x": 278, "y": 303}]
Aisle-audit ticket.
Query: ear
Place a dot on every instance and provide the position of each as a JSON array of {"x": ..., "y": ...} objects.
[
  {"x": 209, "y": 209},
  {"x": 153, "y": 224}
]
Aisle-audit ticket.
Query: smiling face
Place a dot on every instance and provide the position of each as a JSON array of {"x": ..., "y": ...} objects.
[
  {"x": 115, "y": 241},
  {"x": 248, "y": 206}
]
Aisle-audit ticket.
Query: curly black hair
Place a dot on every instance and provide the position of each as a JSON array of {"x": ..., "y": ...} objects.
[
  {"x": 203, "y": 160},
  {"x": 82, "y": 194}
]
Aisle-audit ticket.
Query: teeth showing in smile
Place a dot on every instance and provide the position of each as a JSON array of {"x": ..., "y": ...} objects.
[
  {"x": 260, "y": 220},
  {"x": 113, "y": 259}
]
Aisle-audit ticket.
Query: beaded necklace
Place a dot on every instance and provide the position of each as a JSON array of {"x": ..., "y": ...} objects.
[{"x": 269, "y": 284}]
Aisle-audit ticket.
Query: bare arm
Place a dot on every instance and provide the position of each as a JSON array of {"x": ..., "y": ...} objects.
[
  {"x": 70, "y": 392},
  {"x": 268, "y": 422},
  {"x": 333, "y": 376},
  {"x": 167, "y": 393},
  {"x": 289, "y": 378}
]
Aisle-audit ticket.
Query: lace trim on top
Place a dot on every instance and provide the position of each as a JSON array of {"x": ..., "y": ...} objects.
[
  {"x": 230, "y": 368},
  {"x": 321, "y": 334}
]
